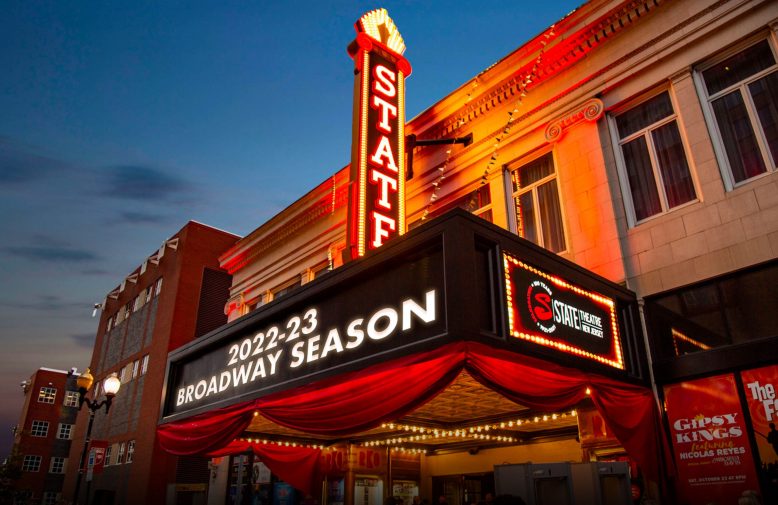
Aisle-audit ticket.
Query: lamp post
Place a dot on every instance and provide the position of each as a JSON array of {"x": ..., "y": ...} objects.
[{"x": 111, "y": 386}]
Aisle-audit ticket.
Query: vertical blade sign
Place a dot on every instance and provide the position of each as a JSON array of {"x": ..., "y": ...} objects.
[{"x": 377, "y": 200}]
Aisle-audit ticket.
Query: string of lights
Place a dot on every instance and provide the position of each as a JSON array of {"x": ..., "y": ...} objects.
[
  {"x": 524, "y": 84},
  {"x": 284, "y": 443},
  {"x": 419, "y": 434}
]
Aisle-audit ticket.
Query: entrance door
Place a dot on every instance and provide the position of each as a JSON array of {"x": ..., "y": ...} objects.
[{"x": 239, "y": 490}]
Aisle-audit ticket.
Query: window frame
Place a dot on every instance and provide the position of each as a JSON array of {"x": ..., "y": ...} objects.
[
  {"x": 39, "y": 426},
  {"x": 144, "y": 366},
  {"x": 120, "y": 454},
  {"x": 51, "y": 497},
  {"x": 63, "y": 461},
  {"x": 29, "y": 467},
  {"x": 71, "y": 398},
  {"x": 706, "y": 102},
  {"x": 513, "y": 224},
  {"x": 65, "y": 427},
  {"x": 130, "y": 452},
  {"x": 108, "y": 451},
  {"x": 45, "y": 392},
  {"x": 621, "y": 165}
]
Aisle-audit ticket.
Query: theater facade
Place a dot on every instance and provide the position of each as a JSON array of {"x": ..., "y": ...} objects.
[{"x": 556, "y": 282}]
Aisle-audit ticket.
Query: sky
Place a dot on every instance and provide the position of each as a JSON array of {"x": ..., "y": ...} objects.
[{"x": 121, "y": 121}]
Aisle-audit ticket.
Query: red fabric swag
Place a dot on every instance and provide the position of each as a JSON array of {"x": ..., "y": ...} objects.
[
  {"x": 298, "y": 466},
  {"x": 362, "y": 400}
]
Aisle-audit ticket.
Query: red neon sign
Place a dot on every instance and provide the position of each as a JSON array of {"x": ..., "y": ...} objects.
[{"x": 377, "y": 206}]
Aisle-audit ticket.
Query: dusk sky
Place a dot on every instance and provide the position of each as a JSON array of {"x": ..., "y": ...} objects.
[{"x": 121, "y": 121}]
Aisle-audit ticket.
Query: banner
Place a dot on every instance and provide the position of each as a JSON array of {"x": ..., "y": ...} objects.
[
  {"x": 760, "y": 387},
  {"x": 710, "y": 441}
]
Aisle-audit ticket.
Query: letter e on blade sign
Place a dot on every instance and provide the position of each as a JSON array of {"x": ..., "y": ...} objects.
[{"x": 377, "y": 199}]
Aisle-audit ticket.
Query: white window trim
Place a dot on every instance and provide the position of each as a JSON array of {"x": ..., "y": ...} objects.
[
  {"x": 70, "y": 394},
  {"x": 64, "y": 465},
  {"x": 508, "y": 168},
  {"x": 41, "y": 423},
  {"x": 42, "y": 399},
  {"x": 710, "y": 118},
  {"x": 621, "y": 165},
  {"x": 31, "y": 456},
  {"x": 70, "y": 432},
  {"x": 130, "y": 452}
]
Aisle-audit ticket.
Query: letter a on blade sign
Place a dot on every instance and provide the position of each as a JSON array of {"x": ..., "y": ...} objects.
[{"x": 377, "y": 198}]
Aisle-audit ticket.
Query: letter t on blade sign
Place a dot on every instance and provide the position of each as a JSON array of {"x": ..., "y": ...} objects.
[{"x": 377, "y": 196}]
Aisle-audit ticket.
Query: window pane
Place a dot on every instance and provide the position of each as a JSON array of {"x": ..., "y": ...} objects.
[
  {"x": 743, "y": 153},
  {"x": 525, "y": 217},
  {"x": 672, "y": 165},
  {"x": 645, "y": 114},
  {"x": 533, "y": 171},
  {"x": 738, "y": 67},
  {"x": 765, "y": 95},
  {"x": 640, "y": 177},
  {"x": 551, "y": 217}
]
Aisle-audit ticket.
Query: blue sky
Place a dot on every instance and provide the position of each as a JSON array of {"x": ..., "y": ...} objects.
[{"x": 121, "y": 121}]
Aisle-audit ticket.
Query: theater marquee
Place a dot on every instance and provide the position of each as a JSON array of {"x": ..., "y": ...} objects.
[
  {"x": 553, "y": 312},
  {"x": 394, "y": 305},
  {"x": 377, "y": 204}
]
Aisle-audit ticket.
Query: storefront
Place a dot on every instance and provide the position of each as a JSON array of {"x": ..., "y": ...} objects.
[{"x": 331, "y": 387}]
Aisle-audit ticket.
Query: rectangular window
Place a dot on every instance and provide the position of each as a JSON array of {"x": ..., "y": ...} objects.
[
  {"x": 108, "y": 451},
  {"x": 39, "y": 429},
  {"x": 47, "y": 395},
  {"x": 57, "y": 465},
  {"x": 741, "y": 92},
  {"x": 287, "y": 287},
  {"x": 31, "y": 463},
  {"x": 65, "y": 431},
  {"x": 536, "y": 203},
  {"x": 71, "y": 398},
  {"x": 109, "y": 324},
  {"x": 52, "y": 498},
  {"x": 120, "y": 454},
  {"x": 135, "y": 367},
  {"x": 130, "y": 451},
  {"x": 144, "y": 367},
  {"x": 477, "y": 202},
  {"x": 652, "y": 159},
  {"x": 126, "y": 374},
  {"x": 158, "y": 287}
]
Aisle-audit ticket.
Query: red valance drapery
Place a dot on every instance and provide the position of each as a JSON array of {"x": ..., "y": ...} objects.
[{"x": 361, "y": 400}]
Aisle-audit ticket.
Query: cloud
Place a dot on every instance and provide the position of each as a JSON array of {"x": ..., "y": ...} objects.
[
  {"x": 51, "y": 254},
  {"x": 135, "y": 182},
  {"x": 20, "y": 164},
  {"x": 98, "y": 272},
  {"x": 130, "y": 217},
  {"x": 49, "y": 304},
  {"x": 85, "y": 340}
]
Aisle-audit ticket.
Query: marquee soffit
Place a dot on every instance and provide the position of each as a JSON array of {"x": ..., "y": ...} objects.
[{"x": 464, "y": 403}]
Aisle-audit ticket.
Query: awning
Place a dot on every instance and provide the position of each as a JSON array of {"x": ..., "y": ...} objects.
[{"x": 346, "y": 404}]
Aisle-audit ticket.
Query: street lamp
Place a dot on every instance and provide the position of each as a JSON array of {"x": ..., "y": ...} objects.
[{"x": 111, "y": 386}]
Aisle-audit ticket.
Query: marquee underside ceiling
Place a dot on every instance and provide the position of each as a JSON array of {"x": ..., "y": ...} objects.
[{"x": 463, "y": 416}]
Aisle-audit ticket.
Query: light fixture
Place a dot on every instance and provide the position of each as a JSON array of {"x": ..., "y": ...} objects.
[{"x": 111, "y": 385}]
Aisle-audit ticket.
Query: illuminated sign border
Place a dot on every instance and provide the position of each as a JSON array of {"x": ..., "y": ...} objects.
[
  {"x": 616, "y": 358},
  {"x": 365, "y": 47}
]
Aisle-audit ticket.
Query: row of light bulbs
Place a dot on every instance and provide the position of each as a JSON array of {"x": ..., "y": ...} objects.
[
  {"x": 512, "y": 115},
  {"x": 480, "y": 432},
  {"x": 480, "y": 428},
  {"x": 282, "y": 443}
]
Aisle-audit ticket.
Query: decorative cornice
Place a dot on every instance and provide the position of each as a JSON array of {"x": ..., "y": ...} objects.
[
  {"x": 558, "y": 57},
  {"x": 318, "y": 210},
  {"x": 591, "y": 110}
]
